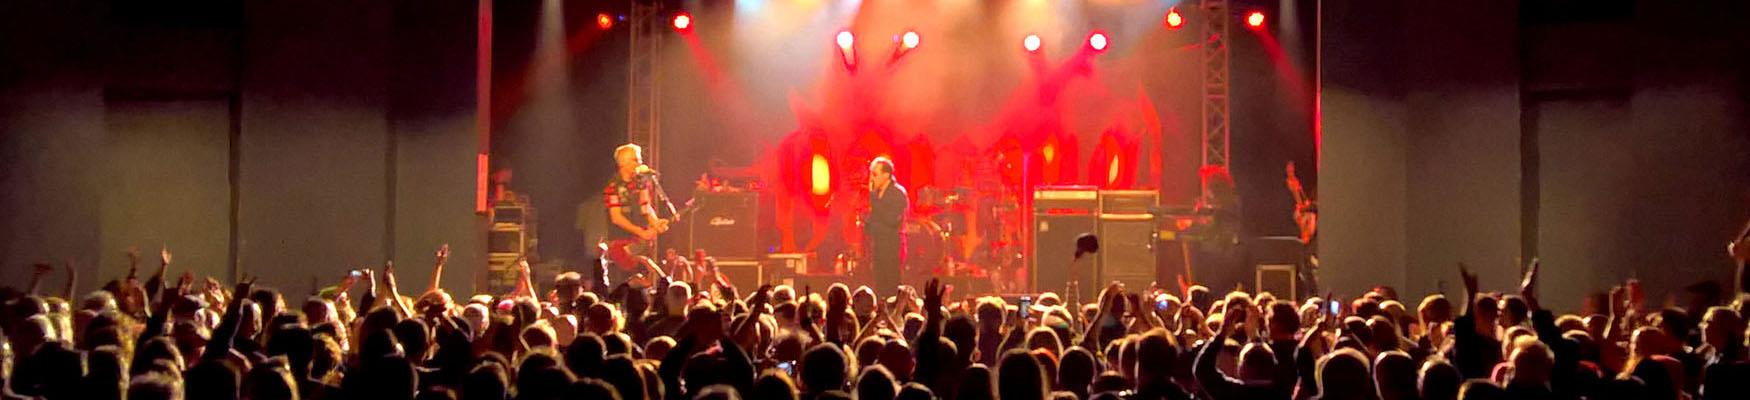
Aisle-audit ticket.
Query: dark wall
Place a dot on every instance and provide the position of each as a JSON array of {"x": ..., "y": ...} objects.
[
  {"x": 1608, "y": 142},
  {"x": 298, "y": 140}
]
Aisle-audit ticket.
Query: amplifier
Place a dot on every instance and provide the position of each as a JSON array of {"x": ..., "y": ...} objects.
[
  {"x": 1127, "y": 249},
  {"x": 1128, "y": 201},
  {"x": 1279, "y": 280},
  {"x": 507, "y": 238},
  {"x": 1054, "y": 245},
  {"x": 1060, "y": 214},
  {"x": 1062, "y": 199},
  {"x": 792, "y": 263},
  {"x": 726, "y": 225}
]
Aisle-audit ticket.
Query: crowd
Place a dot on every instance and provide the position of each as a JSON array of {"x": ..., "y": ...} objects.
[{"x": 663, "y": 338}]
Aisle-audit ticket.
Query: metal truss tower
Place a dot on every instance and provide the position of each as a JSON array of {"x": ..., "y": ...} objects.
[
  {"x": 1215, "y": 80},
  {"x": 644, "y": 78}
]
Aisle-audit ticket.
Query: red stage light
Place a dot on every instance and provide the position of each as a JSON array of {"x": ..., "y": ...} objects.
[
  {"x": 683, "y": 21},
  {"x": 846, "y": 40},
  {"x": 1255, "y": 19},
  {"x": 1174, "y": 20},
  {"x": 604, "y": 21},
  {"x": 909, "y": 40},
  {"x": 1031, "y": 43},
  {"x": 1097, "y": 41}
]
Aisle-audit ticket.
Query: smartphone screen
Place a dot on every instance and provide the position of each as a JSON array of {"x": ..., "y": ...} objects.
[
  {"x": 1332, "y": 306},
  {"x": 789, "y": 367},
  {"x": 1161, "y": 305},
  {"x": 1026, "y": 306}
]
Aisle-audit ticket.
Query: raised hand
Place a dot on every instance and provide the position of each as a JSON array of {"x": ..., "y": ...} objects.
[
  {"x": 184, "y": 283},
  {"x": 347, "y": 280},
  {"x": 443, "y": 253},
  {"x": 164, "y": 255},
  {"x": 1231, "y": 318},
  {"x": 369, "y": 276},
  {"x": 40, "y": 269},
  {"x": 133, "y": 260},
  {"x": 934, "y": 292},
  {"x": 1528, "y": 286},
  {"x": 760, "y": 297},
  {"x": 244, "y": 286},
  {"x": 1636, "y": 298},
  {"x": 389, "y": 275},
  {"x": 1470, "y": 280}
]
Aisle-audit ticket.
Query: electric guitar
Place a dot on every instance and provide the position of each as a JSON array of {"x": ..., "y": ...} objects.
[{"x": 638, "y": 248}]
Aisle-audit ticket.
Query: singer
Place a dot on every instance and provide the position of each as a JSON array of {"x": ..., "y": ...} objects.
[
  {"x": 635, "y": 224},
  {"x": 881, "y": 227}
]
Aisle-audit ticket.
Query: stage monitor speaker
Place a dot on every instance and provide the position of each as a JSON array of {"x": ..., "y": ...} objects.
[
  {"x": 726, "y": 225},
  {"x": 1127, "y": 249}
]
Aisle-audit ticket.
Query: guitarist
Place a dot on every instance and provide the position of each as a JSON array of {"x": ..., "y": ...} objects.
[{"x": 629, "y": 201}]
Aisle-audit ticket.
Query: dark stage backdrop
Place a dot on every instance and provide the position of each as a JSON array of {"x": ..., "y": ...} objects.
[
  {"x": 299, "y": 139},
  {"x": 1608, "y": 139}
]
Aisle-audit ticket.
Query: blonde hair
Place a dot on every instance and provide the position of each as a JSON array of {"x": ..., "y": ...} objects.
[{"x": 632, "y": 147}]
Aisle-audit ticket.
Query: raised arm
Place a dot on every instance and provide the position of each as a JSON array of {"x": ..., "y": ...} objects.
[
  {"x": 156, "y": 284},
  {"x": 1739, "y": 249},
  {"x": 72, "y": 281},
  {"x": 437, "y": 269},
  {"x": 394, "y": 298},
  {"x": 369, "y": 299},
  {"x": 220, "y": 344},
  {"x": 525, "y": 286},
  {"x": 929, "y": 344},
  {"x": 38, "y": 271},
  {"x": 1218, "y": 383},
  {"x": 755, "y": 308}
]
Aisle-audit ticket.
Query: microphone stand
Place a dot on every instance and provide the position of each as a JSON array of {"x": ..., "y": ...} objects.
[{"x": 660, "y": 194}]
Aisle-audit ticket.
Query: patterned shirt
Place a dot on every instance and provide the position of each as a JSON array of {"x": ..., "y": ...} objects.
[{"x": 630, "y": 197}]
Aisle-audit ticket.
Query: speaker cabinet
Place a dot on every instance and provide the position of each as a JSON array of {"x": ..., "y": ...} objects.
[
  {"x": 1054, "y": 247},
  {"x": 726, "y": 225},
  {"x": 1279, "y": 280},
  {"x": 1127, "y": 249},
  {"x": 1060, "y": 214}
]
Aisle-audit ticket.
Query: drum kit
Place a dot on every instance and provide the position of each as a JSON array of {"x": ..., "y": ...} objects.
[{"x": 975, "y": 232}]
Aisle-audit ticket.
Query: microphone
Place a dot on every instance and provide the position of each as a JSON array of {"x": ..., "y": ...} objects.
[{"x": 645, "y": 170}]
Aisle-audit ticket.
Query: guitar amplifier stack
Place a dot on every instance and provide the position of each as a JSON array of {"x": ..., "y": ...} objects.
[
  {"x": 511, "y": 237},
  {"x": 1122, "y": 219},
  {"x": 726, "y": 225}
]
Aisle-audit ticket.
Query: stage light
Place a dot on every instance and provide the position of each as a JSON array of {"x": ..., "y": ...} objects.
[
  {"x": 604, "y": 21},
  {"x": 1031, "y": 43},
  {"x": 847, "y": 48},
  {"x": 1255, "y": 19},
  {"x": 846, "y": 40},
  {"x": 1097, "y": 41},
  {"x": 820, "y": 176},
  {"x": 683, "y": 22},
  {"x": 909, "y": 40},
  {"x": 1174, "y": 20}
]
